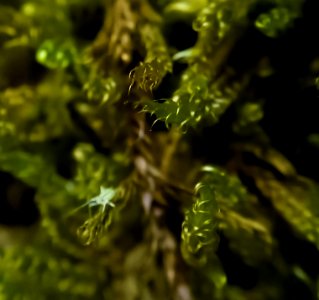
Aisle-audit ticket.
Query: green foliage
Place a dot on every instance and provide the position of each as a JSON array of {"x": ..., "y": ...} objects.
[
  {"x": 32, "y": 23},
  {"x": 199, "y": 226},
  {"x": 58, "y": 276},
  {"x": 102, "y": 90},
  {"x": 195, "y": 102},
  {"x": 272, "y": 23},
  {"x": 222, "y": 206},
  {"x": 199, "y": 229},
  {"x": 170, "y": 148},
  {"x": 216, "y": 191},
  {"x": 278, "y": 19},
  {"x": 302, "y": 217},
  {"x": 157, "y": 64},
  {"x": 54, "y": 54},
  {"x": 201, "y": 94}
]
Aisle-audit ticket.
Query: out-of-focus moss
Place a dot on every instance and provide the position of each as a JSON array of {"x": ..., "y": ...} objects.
[{"x": 159, "y": 172}]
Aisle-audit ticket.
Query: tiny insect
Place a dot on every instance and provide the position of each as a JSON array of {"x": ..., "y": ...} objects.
[{"x": 104, "y": 199}]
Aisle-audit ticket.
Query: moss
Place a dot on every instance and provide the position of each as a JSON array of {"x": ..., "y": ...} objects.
[{"x": 159, "y": 149}]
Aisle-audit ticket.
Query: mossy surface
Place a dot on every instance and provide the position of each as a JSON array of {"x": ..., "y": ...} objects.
[{"x": 154, "y": 149}]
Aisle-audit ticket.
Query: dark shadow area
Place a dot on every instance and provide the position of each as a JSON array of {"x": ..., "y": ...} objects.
[{"x": 17, "y": 206}]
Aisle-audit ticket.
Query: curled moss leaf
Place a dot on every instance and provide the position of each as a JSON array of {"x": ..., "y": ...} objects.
[
  {"x": 276, "y": 21},
  {"x": 199, "y": 227},
  {"x": 56, "y": 55}
]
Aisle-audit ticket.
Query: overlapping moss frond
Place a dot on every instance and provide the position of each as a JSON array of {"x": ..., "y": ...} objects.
[{"x": 155, "y": 149}]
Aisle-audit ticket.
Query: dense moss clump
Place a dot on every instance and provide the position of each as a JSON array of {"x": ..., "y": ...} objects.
[{"x": 159, "y": 149}]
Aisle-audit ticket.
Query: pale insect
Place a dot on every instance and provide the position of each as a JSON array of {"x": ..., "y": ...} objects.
[{"x": 103, "y": 199}]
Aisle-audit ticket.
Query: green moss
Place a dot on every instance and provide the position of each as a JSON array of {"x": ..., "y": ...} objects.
[{"x": 159, "y": 172}]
